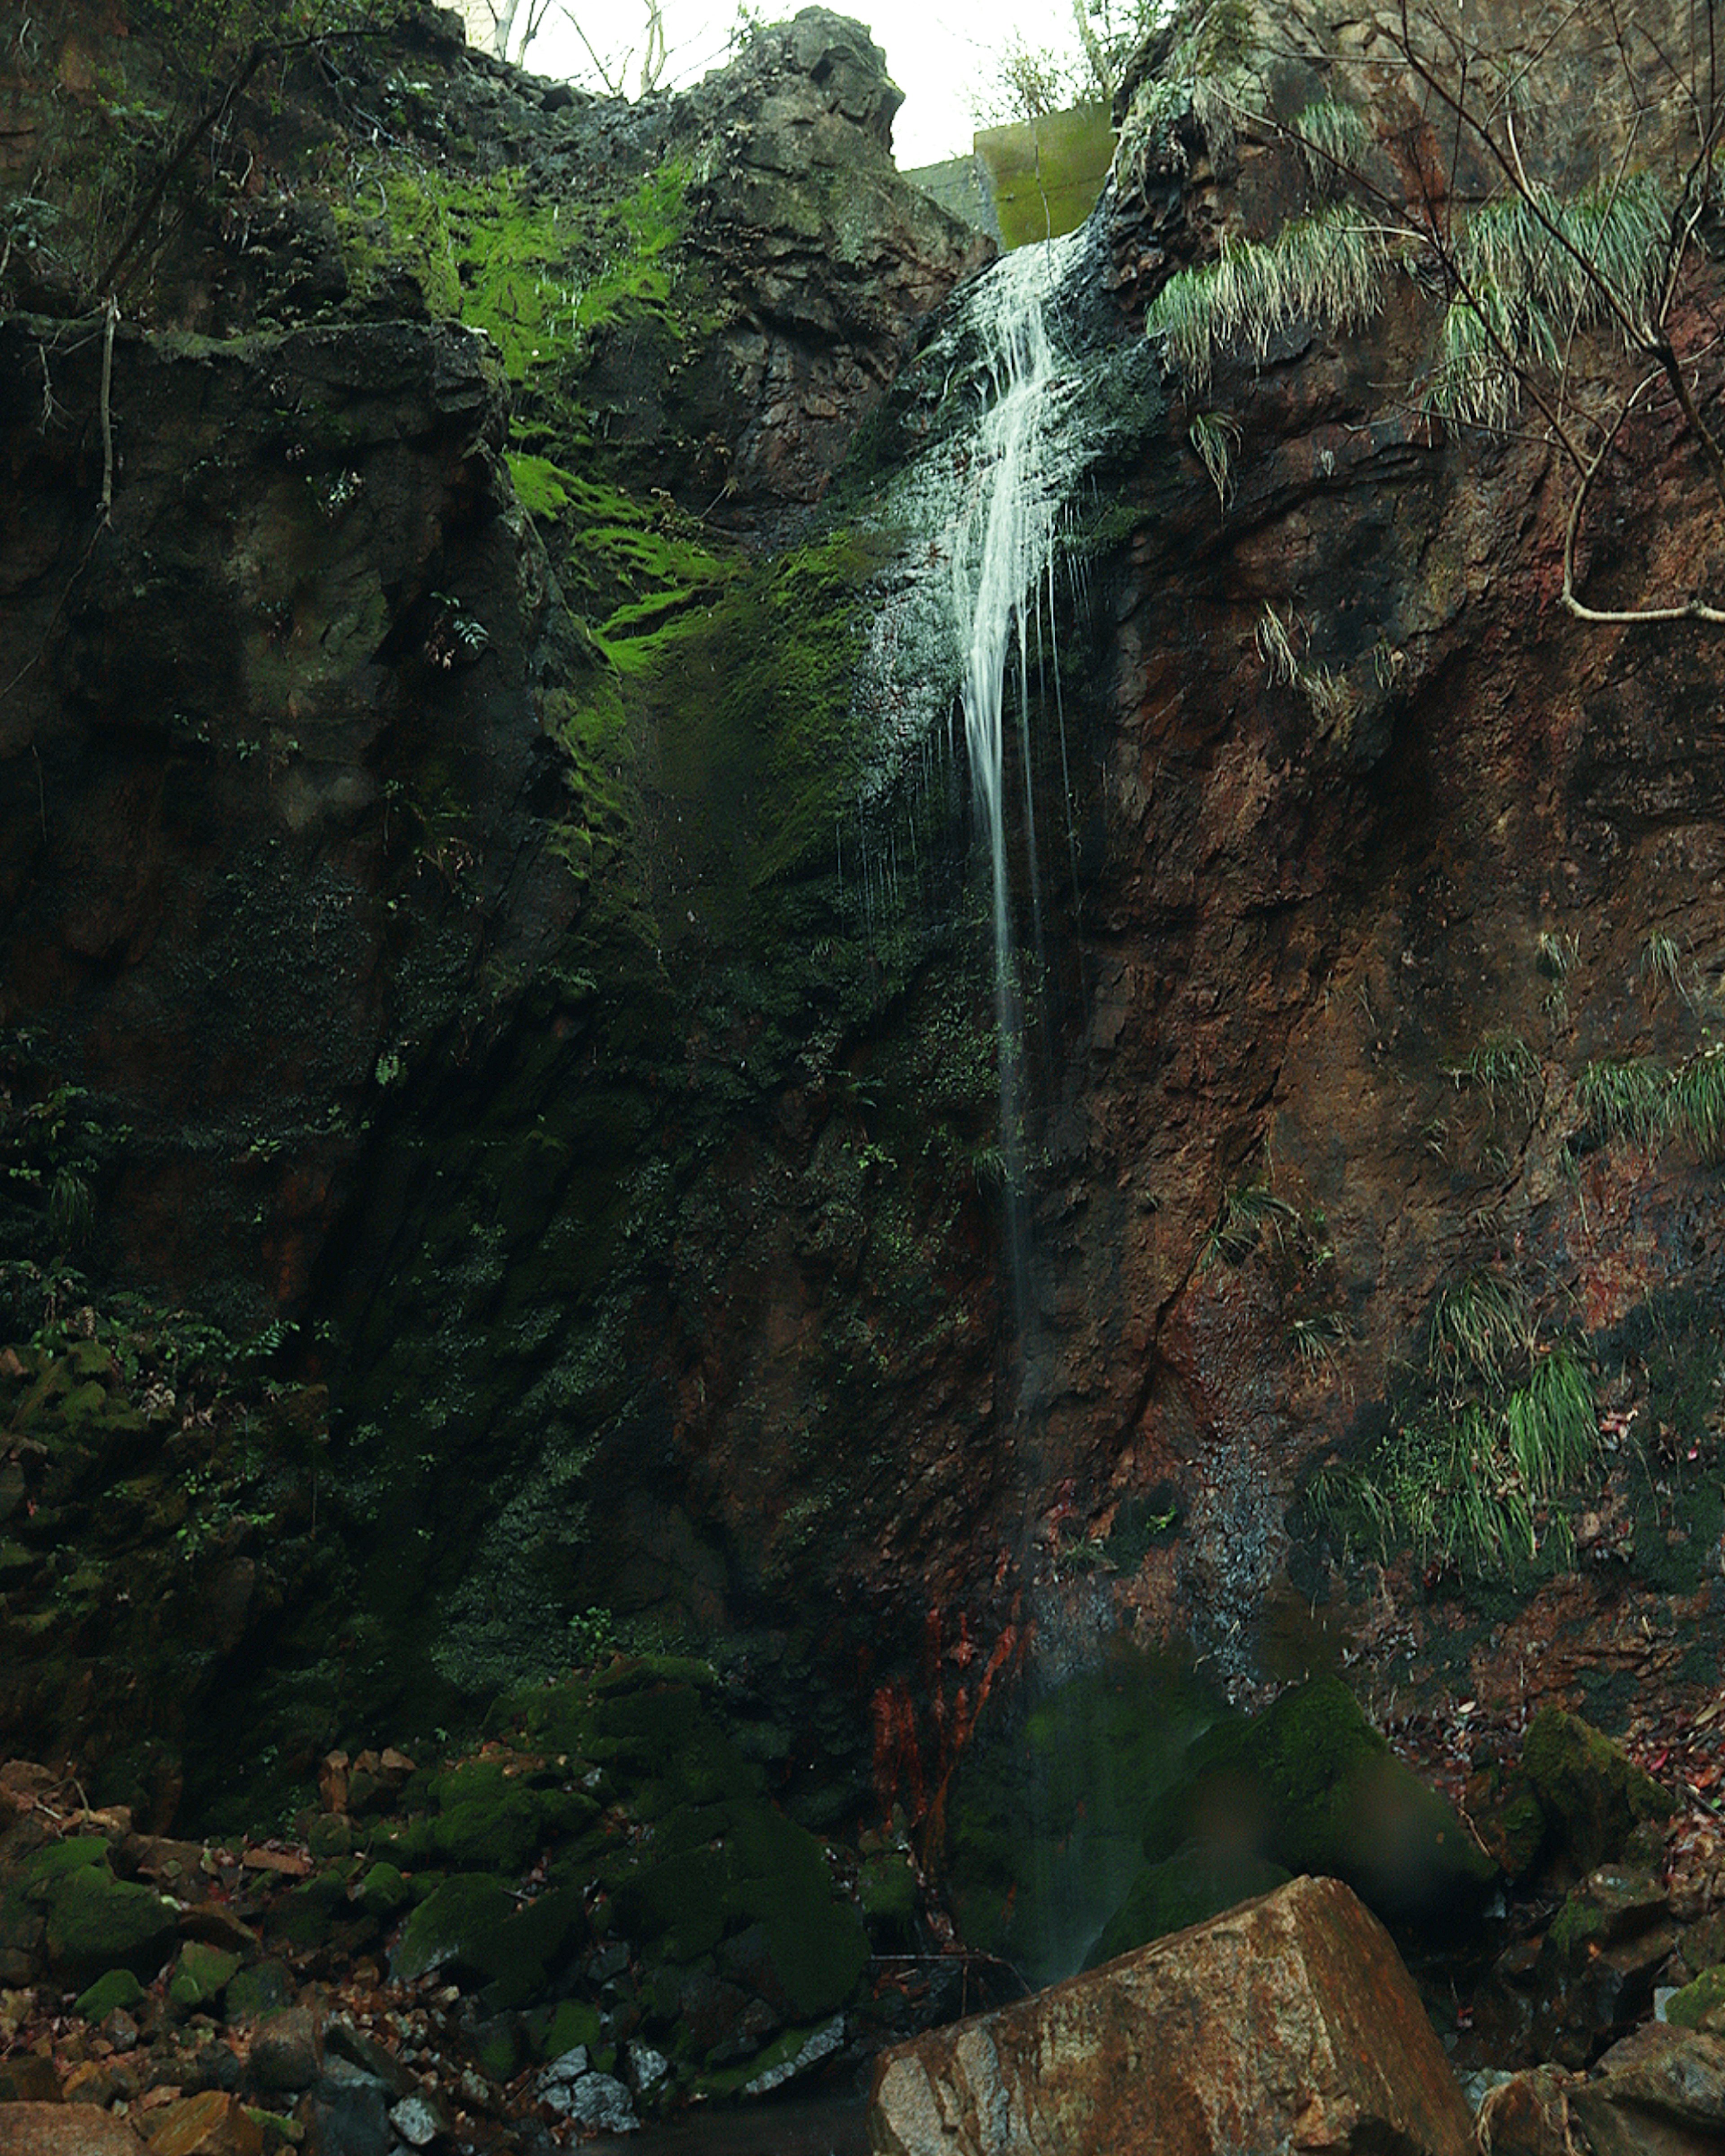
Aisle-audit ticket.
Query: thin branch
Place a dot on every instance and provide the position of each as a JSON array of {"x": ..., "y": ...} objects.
[
  {"x": 111, "y": 317},
  {"x": 1692, "y": 610}
]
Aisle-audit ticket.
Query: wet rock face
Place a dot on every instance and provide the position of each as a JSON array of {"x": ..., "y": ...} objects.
[{"x": 280, "y": 754}]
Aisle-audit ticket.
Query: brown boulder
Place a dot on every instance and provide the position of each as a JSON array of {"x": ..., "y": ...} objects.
[
  {"x": 65, "y": 2130},
  {"x": 212, "y": 2123},
  {"x": 1288, "y": 2022}
]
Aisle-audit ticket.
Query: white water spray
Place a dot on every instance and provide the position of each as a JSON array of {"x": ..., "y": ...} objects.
[{"x": 1002, "y": 548}]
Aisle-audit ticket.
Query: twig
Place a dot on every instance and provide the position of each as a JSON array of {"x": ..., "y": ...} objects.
[{"x": 111, "y": 317}]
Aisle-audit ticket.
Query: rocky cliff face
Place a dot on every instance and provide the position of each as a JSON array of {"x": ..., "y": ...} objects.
[{"x": 425, "y": 845}]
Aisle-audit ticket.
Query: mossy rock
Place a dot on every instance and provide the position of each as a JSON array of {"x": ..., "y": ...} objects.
[
  {"x": 305, "y": 1916},
  {"x": 1700, "y": 2004},
  {"x": 382, "y": 1892},
  {"x": 1312, "y": 1786},
  {"x": 1194, "y": 1883},
  {"x": 570, "y": 2023},
  {"x": 201, "y": 1975},
  {"x": 529, "y": 1950},
  {"x": 58, "y": 1860},
  {"x": 458, "y": 1925},
  {"x": 886, "y": 1894},
  {"x": 1046, "y": 1826},
  {"x": 96, "y": 1923},
  {"x": 759, "y": 1869},
  {"x": 488, "y": 1820},
  {"x": 1508, "y": 1817},
  {"x": 1592, "y": 1794},
  {"x": 118, "y": 1989},
  {"x": 263, "y": 1988}
]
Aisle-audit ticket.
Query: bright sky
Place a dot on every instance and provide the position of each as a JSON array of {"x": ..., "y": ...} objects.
[{"x": 936, "y": 51}]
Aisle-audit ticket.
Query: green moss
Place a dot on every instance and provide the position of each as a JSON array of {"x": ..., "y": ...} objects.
[
  {"x": 200, "y": 1975},
  {"x": 457, "y": 1926},
  {"x": 1312, "y": 1786},
  {"x": 571, "y": 2023},
  {"x": 118, "y": 1989},
  {"x": 1700, "y": 2004},
  {"x": 1196, "y": 1882},
  {"x": 96, "y": 1923},
  {"x": 1592, "y": 1794}
]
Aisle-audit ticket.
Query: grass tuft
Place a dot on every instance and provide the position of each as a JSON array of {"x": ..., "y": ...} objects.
[{"x": 1328, "y": 267}]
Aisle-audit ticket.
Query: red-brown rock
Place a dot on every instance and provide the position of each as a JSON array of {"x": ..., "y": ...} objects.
[
  {"x": 1288, "y": 2023},
  {"x": 65, "y": 2130}
]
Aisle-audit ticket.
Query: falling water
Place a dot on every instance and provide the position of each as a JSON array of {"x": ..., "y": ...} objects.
[
  {"x": 1016, "y": 397},
  {"x": 1001, "y": 549}
]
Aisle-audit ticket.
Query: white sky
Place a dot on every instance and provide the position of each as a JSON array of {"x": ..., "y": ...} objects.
[{"x": 936, "y": 50}]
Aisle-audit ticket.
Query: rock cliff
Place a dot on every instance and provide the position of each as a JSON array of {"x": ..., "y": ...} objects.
[{"x": 435, "y": 922}]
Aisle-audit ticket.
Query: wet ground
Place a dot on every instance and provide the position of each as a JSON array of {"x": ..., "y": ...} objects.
[{"x": 826, "y": 2126}]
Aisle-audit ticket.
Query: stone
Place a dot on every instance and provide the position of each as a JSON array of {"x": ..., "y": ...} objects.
[
  {"x": 1312, "y": 1786},
  {"x": 417, "y": 2120},
  {"x": 28, "y": 2079},
  {"x": 211, "y": 2123},
  {"x": 1659, "y": 2092},
  {"x": 260, "y": 1989},
  {"x": 1592, "y": 1792},
  {"x": 96, "y": 1923},
  {"x": 214, "y": 1925},
  {"x": 456, "y": 1923},
  {"x": 1700, "y": 2004},
  {"x": 201, "y": 1975},
  {"x": 1528, "y": 2115},
  {"x": 1290, "y": 2022},
  {"x": 593, "y": 2100},
  {"x": 346, "y": 2113},
  {"x": 62, "y": 2129},
  {"x": 286, "y": 2051},
  {"x": 118, "y": 1989}
]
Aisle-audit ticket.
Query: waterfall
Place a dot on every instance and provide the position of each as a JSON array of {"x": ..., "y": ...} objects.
[
  {"x": 1025, "y": 382},
  {"x": 1000, "y": 548}
]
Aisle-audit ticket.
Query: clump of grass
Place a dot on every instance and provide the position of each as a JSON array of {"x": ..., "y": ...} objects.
[
  {"x": 1329, "y": 267},
  {"x": 1500, "y": 1064},
  {"x": 1319, "y": 1338},
  {"x": 1478, "y": 1324},
  {"x": 1476, "y": 1489},
  {"x": 1532, "y": 272},
  {"x": 1698, "y": 1101},
  {"x": 1334, "y": 136},
  {"x": 1249, "y": 1215},
  {"x": 1329, "y": 696},
  {"x": 1554, "y": 955},
  {"x": 1629, "y": 1100},
  {"x": 1214, "y": 437}
]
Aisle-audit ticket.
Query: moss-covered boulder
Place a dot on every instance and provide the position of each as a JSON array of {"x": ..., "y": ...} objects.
[
  {"x": 1700, "y": 2004},
  {"x": 1311, "y": 1785},
  {"x": 1195, "y": 1882},
  {"x": 118, "y": 1989},
  {"x": 97, "y": 1922},
  {"x": 1591, "y": 1792},
  {"x": 200, "y": 1976},
  {"x": 1046, "y": 1823},
  {"x": 458, "y": 1925}
]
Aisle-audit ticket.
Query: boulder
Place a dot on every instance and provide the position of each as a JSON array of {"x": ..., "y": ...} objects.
[
  {"x": 1659, "y": 2092},
  {"x": 1312, "y": 1786},
  {"x": 65, "y": 2130},
  {"x": 1593, "y": 1795},
  {"x": 1289, "y": 2022}
]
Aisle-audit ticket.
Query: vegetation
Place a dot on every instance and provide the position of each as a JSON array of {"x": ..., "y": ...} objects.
[
  {"x": 1331, "y": 266},
  {"x": 1643, "y": 1100},
  {"x": 1526, "y": 280}
]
